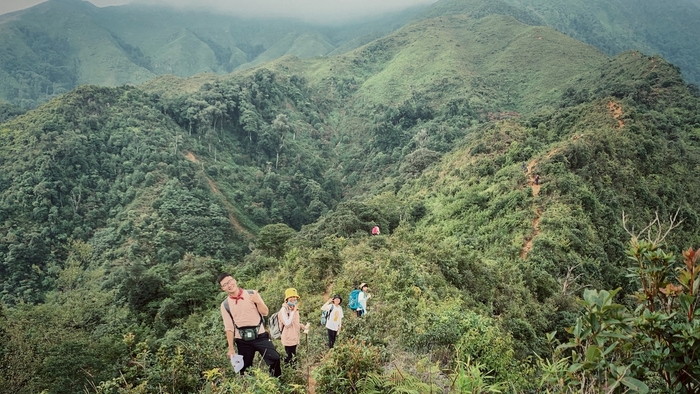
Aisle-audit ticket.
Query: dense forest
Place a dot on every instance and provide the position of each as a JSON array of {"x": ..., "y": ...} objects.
[{"x": 120, "y": 205}]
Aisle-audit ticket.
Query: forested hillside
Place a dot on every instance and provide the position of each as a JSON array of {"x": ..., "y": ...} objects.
[
  {"x": 670, "y": 29},
  {"x": 497, "y": 158},
  {"x": 51, "y": 48}
]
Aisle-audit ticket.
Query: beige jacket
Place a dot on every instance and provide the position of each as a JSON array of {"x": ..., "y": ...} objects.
[{"x": 291, "y": 333}]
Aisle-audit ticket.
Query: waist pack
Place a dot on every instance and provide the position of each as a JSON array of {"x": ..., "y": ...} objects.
[{"x": 248, "y": 333}]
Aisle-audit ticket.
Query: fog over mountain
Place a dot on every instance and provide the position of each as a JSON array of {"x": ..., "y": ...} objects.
[
  {"x": 325, "y": 11},
  {"x": 16, "y": 5}
]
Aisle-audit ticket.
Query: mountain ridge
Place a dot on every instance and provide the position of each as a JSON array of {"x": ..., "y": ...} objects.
[{"x": 119, "y": 207}]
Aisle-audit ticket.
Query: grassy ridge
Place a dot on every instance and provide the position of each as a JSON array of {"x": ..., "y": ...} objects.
[
  {"x": 496, "y": 54},
  {"x": 670, "y": 29}
]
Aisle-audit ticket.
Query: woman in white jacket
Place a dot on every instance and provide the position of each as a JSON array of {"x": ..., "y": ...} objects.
[{"x": 335, "y": 318}]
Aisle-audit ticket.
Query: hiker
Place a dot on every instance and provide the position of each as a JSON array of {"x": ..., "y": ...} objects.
[
  {"x": 537, "y": 180},
  {"x": 335, "y": 318},
  {"x": 524, "y": 166},
  {"x": 242, "y": 312},
  {"x": 362, "y": 298},
  {"x": 375, "y": 230},
  {"x": 290, "y": 325}
]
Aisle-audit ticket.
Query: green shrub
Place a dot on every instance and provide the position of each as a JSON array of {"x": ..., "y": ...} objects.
[
  {"x": 343, "y": 366},
  {"x": 486, "y": 343}
]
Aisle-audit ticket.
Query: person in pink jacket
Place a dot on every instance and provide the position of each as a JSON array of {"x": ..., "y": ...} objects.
[{"x": 288, "y": 320}]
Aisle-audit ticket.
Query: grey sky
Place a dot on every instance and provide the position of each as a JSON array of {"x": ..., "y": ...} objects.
[{"x": 317, "y": 10}]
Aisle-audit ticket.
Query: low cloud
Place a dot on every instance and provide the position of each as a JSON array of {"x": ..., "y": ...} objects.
[
  {"x": 323, "y": 11},
  {"x": 310, "y": 10}
]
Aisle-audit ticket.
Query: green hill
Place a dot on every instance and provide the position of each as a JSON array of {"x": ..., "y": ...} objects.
[
  {"x": 49, "y": 49},
  {"x": 671, "y": 28},
  {"x": 118, "y": 207}
]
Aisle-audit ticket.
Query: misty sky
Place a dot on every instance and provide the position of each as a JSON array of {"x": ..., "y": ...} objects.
[{"x": 311, "y": 10}]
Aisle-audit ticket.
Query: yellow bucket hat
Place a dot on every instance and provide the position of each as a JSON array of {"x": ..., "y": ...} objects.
[{"x": 290, "y": 292}]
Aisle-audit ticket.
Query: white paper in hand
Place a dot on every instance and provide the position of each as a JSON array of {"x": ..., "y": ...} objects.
[{"x": 237, "y": 362}]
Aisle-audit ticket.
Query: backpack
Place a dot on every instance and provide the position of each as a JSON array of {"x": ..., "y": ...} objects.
[
  {"x": 325, "y": 315},
  {"x": 275, "y": 330},
  {"x": 353, "y": 304}
]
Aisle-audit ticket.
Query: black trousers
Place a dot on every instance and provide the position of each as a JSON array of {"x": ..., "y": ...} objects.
[
  {"x": 331, "y": 337},
  {"x": 263, "y": 345},
  {"x": 291, "y": 358}
]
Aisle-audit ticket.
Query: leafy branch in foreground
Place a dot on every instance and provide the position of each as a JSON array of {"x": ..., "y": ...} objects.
[{"x": 614, "y": 350}]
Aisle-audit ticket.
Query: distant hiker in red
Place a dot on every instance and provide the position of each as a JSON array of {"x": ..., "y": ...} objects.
[
  {"x": 375, "y": 230},
  {"x": 537, "y": 180}
]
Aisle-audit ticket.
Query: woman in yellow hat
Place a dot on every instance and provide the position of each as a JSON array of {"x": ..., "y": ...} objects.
[{"x": 290, "y": 325}]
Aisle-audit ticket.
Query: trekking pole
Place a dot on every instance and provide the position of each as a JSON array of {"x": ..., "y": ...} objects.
[{"x": 308, "y": 364}]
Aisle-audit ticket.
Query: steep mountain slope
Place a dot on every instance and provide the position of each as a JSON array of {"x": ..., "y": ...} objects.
[
  {"x": 495, "y": 57},
  {"x": 620, "y": 150},
  {"x": 52, "y": 47},
  {"x": 118, "y": 206},
  {"x": 262, "y": 125},
  {"x": 667, "y": 28}
]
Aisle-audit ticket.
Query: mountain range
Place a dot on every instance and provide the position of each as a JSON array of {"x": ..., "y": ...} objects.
[
  {"x": 51, "y": 48},
  {"x": 507, "y": 164},
  {"x": 59, "y": 44}
]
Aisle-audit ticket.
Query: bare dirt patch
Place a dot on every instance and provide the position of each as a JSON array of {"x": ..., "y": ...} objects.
[
  {"x": 535, "y": 232},
  {"x": 215, "y": 189},
  {"x": 535, "y": 184},
  {"x": 616, "y": 112},
  {"x": 190, "y": 156}
]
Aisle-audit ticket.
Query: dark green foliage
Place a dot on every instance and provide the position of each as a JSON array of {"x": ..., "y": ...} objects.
[
  {"x": 81, "y": 164},
  {"x": 347, "y": 220},
  {"x": 41, "y": 65},
  {"x": 134, "y": 53},
  {"x": 659, "y": 338},
  {"x": 417, "y": 161},
  {"x": 9, "y": 111},
  {"x": 272, "y": 239},
  {"x": 343, "y": 367}
]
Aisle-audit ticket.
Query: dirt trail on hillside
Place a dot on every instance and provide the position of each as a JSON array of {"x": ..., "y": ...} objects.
[
  {"x": 215, "y": 189},
  {"x": 531, "y": 181},
  {"x": 616, "y": 112},
  {"x": 310, "y": 379},
  {"x": 327, "y": 294},
  {"x": 531, "y": 176}
]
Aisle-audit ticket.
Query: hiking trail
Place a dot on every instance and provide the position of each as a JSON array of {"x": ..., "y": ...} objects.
[
  {"x": 616, "y": 112},
  {"x": 214, "y": 188},
  {"x": 310, "y": 379},
  {"x": 536, "y": 222},
  {"x": 531, "y": 176}
]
